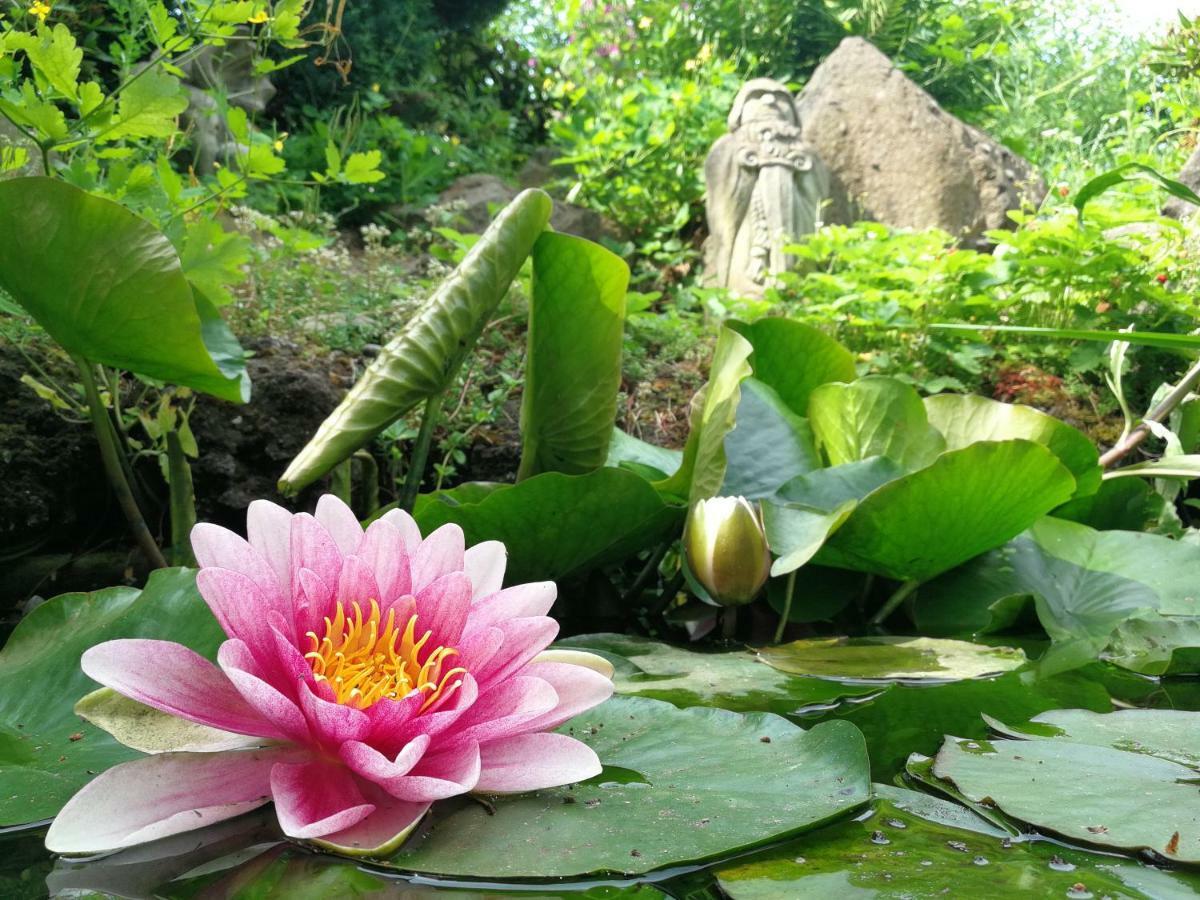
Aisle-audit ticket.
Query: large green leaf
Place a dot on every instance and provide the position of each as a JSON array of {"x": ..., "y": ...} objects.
[
  {"x": 108, "y": 287},
  {"x": 891, "y": 658},
  {"x": 713, "y": 416},
  {"x": 1120, "y": 504},
  {"x": 557, "y": 525},
  {"x": 625, "y": 449},
  {"x": 1094, "y": 795},
  {"x": 573, "y": 360},
  {"x": 1172, "y": 734},
  {"x": 1155, "y": 644},
  {"x": 796, "y": 534},
  {"x": 794, "y": 359},
  {"x": 964, "y": 419},
  {"x": 770, "y": 445},
  {"x": 827, "y": 489},
  {"x": 720, "y": 782},
  {"x": 873, "y": 416},
  {"x": 1086, "y": 583},
  {"x": 423, "y": 359},
  {"x": 968, "y": 502},
  {"x": 735, "y": 680},
  {"x": 916, "y": 846},
  {"x": 46, "y": 752}
]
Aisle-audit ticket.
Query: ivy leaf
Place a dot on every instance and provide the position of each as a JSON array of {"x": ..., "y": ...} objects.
[{"x": 148, "y": 107}]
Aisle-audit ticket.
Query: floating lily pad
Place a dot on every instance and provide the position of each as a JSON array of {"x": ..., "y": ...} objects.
[
  {"x": 46, "y": 752},
  {"x": 891, "y": 658},
  {"x": 721, "y": 783},
  {"x": 733, "y": 680},
  {"x": 1097, "y": 795},
  {"x": 1154, "y": 644},
  {"x": 913, "y": 846},
  {"x": 1172, "y": 734}
]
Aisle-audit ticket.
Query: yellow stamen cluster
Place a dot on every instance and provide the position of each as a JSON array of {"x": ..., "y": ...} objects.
[{"x": 367, "y": 659}]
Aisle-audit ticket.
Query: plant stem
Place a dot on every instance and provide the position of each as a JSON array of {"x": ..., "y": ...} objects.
[
  {"x": 647, "y": 572},
  {"x": 420, "y": 453},
  {"x": 1160, "y": 412},
  {"x": 341, "y": 479},
  {"x": 106, "y": 436},
  {"x": 183, "y": 500},
  {"x": 787, "y": 606},
  {"x": 893, "y": 602},
  {"x": 370, "y": 478},
  {"x": 729, "y": 622}
]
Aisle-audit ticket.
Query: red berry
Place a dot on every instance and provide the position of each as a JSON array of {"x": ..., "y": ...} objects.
[{"x": 1161, "y": 278}]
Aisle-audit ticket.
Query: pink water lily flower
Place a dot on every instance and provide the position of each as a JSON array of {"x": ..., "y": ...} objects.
[{"x": 365, "y": 676}]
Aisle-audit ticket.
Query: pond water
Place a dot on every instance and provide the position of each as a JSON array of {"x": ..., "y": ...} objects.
[{"x": 886, "y": 851}]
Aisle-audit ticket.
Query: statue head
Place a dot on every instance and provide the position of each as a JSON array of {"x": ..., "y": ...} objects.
[{"x": 762, "y": 100}]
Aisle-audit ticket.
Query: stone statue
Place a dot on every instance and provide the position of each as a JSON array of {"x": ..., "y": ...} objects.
[
  {"x": 765, "y": 188},
  {"x": 230, "y": 71}
]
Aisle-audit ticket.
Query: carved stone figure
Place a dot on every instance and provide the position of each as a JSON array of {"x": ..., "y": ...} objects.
[
  {"x": 230, "y": 71},
  {"x": 765, "y": 187}
]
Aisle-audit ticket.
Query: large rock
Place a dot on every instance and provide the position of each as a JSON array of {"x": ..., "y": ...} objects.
[
  {"x": 476, "y": 198},
  {"x": 1176, "y": 208},
  {"x": 898, "y": 158}
]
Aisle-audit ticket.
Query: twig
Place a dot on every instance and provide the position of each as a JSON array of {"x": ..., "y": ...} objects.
[{"x": 1157, "y": 414}]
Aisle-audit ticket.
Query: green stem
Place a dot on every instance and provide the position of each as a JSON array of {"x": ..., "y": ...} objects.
[
  {"x": 340, "y": 481},
  {"x": 370, "y": 478},
  {"x": 893, "y": 602},
  {"x": 646, "y": 573},
  {"x": 420, "y": 453},
  {"x": 787, "y": 606},
  {"x": 106, "y": 436},
  {"x": 183, "y": 501},
  {"x": 729, "y": 622}
]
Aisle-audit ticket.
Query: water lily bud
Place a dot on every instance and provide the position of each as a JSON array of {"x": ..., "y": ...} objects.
[{"x": 727, "y": 549}]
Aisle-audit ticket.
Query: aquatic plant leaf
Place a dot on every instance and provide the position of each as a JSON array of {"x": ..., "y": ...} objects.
[
  {"x": 873, "y": 416},
  {"x": 793, "y": 359},
  {"x": 890, "y": 658}
]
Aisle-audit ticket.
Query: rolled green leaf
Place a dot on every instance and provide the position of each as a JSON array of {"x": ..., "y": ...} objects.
[
  {"x": 109, "y": 287},
  {"x": 422, "y": 360}
]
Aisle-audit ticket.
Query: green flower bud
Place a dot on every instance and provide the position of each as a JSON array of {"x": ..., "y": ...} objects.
[{"x": 727, "y": 549}]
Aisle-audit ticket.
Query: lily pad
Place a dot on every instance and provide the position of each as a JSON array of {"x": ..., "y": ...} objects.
[
  {"x": 557, "y": 525},
  {"x": 732, "y": 680},
  {"x": 891, "y": 658},
  {"x": 797, "y": 534},
  {"x": 1156, "y": 645},
  {"x": 722, "y": 783},
  {"x": 770, "y": 445},
  {"x": 626, "y": 449},
  {"x": 916, "y": 846},
  {"x": 1084, "y": 793},
  {"x": 873, "y": 416},
  {"x": 794, "y": 359},
  {"x": 46, "y": 752},
  {"x": 1172, "y": 734},
  {"x": 968, "y": 502}
]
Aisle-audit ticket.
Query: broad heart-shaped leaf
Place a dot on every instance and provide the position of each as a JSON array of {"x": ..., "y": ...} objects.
[
  {"x": 793, "y": 359},
  {"x": 680, "y": 786},
  {"x": 827, "y": 489},
  {"x": 873, "y": 416},
  {"x": 714, "y": 413},
  {"x": 797, "y": 534},
  {"x": 734, "y": 680},
  {"x": 424, "y": 358},
  {"x": 968, "y": 502},
  {"x": 557, "y": 525},
  {"x": 1156, "y": 645},
  {"x": 108, "y": 287},
  {"x": 1172, "y": 734},
  {"x": 1086, "y": 584},
  {"x": 573, "y": 358},
  {"x": 1119, "y": 504},
  {"x": 913, "y": 845},
  {"x": 41, "y": 765},
  {"x": 769, "y": 446},
  {"x": 891, "y": 658},
  {"x": 964, "y": 419},
  {"x": 1094, "y": 795},
  {"x": 625, "y": 449}
]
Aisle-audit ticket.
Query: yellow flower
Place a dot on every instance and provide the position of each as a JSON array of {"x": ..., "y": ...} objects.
[
  {"x": 40, "y": 9},
  {"x": 258, "y": 18},
  {"x": 644, "y": 23},
  {"x": 705, "y": 53},
  {"x": 278, "y": 145},
  {"x": 454, "y": 140},
  {"x": 375, "y": 87}
]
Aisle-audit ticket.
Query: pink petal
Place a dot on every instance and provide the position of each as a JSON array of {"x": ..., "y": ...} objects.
[
  {"x": 484, "y": 564},
  {"x": 477, "y": 647},
  {"x": 316, "y": 798},
  {"x": 384, "y": 551},
  {"x": 176, "y": 680},
  {"x": 313, "y": 602},
  {"x": 239, "y": 665},
  {"x": 156, "y": 796},
  {"x": 441, "y": 552},
  {"x": 521, "y": 601},
  {"x": 367, "y": 762},
  {"x": 217, "y": 547},
  {"x": 442, "y": 608},
  {"x": 339, "y": 520},
  {"x": 389, "y": 717},
  {"x": 286, "y": 669},
  {"x": 240, "y": 607},
  {"x": 357, "y": 585},
  {"x": 579, "y": 689},
  {"x": 523, "y": 640},
  {"x": 435, "y": 723},
  {"x": 530, "y": 762},
  {"x": 314, "y": 548},
  {"x": 269, "y": 530},
  {"x": 381, "y": 833},
  {"x": 406, "y": 525},
  {"x": 330, "y": 723},
  {"x": 505, "y": 709}
]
